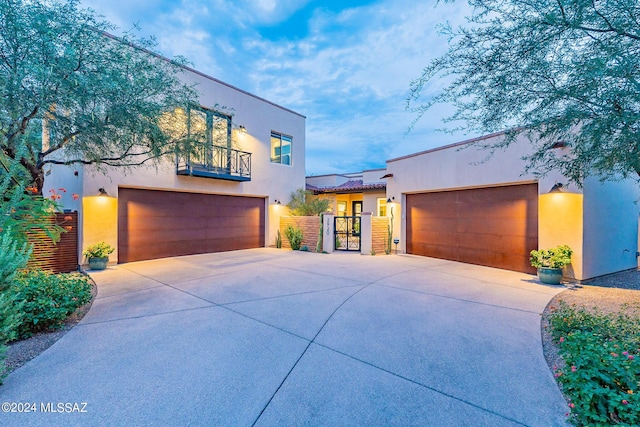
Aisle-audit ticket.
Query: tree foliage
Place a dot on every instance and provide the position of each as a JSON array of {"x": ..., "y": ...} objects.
[
  {"x": 72, "y": 94},
  {"x": 560, "y": 70},
  {"x": 303, "y": 203}
]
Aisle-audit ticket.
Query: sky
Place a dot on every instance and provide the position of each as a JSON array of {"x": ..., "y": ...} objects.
[{"x": 346, "y": 65}]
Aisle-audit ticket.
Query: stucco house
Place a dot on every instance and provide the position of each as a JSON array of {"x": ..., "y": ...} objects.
[
  {"x": 453, "y": 203},
  {"x": 352, "y": 193},
  {"x": 225, "y": 200}
]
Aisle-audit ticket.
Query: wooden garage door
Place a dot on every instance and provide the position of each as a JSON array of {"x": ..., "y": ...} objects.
[
  {"x": 157, "y": 224},
  {"x": 496, "y": 226}
]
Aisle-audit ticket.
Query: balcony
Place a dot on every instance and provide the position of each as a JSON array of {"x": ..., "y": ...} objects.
[{"x": 217, "y": 163}]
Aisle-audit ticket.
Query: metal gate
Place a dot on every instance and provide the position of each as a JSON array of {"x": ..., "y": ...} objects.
[{"x": 347, "y": 233}]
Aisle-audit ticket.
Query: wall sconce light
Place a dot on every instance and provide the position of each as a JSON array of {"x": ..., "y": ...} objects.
[
  {"x": 557, "y": 188},
  {"x": 277, "y": 202},
  {"x": 242, "y": 129},
  {"x": 390, "y": 200},
  {"x": 102, "y": 192}
]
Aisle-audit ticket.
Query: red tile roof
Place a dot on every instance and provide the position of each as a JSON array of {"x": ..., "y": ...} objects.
[{"x": 352, "y": 186}]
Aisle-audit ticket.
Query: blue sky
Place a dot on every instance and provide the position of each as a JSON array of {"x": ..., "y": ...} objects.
[{"x": 346, "y": 65}]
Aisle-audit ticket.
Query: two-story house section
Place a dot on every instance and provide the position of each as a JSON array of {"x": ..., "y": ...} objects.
[{"x": 222, "y": 198}]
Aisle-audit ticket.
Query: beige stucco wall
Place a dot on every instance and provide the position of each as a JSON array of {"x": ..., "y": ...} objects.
[
  {"x": 373, "y": 175},
  {"x": 330, "y": 180},
  {"x": 269, "y": 180},
  {"x": 457, "y": 166},
  {"x": 565, "y": 227},
  {"x": 610, "y": 226},
  {"x": 600, "y": 222}
]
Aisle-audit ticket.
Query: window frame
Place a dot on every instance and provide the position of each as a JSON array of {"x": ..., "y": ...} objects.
[
  {"x": 210, "y": 117},
  {"x": 272, "y": 157},
  {"x": 380, "y": 203}
]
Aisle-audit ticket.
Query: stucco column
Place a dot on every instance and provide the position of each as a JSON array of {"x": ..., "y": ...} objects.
[
  {"x": 366, "y": 242},
  {"x": 328, "y": 240}
]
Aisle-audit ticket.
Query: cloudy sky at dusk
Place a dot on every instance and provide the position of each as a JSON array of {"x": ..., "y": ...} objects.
[{"x": 346, "y": 65}]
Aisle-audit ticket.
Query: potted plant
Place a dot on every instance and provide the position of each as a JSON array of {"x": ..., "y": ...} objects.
[
  {"x": 98, "y": 255},
  {"x": 550, "y": 262}
]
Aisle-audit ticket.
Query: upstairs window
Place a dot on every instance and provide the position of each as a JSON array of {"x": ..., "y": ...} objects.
[
  {"x": 280, "y": 148},
  {"x": 210, "y": 127}
]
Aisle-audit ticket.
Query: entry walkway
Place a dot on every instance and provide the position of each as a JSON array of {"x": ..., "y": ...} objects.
[{"x": 273, "y": 337}]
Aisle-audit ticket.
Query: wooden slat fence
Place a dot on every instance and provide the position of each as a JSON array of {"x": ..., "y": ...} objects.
[{"x": 61, "y": 257}]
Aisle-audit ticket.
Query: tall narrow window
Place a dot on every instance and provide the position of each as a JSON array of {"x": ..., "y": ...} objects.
[
  {"x": 382, "y": 206},
  {"x": 280, "y": 148}
]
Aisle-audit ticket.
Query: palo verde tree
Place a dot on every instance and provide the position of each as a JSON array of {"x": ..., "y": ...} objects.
[
  {"x": 560, "y": 70},
  {"x": 73, "y": 94}
]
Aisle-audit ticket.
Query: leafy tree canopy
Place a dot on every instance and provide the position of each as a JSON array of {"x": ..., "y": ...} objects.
[
  {"x": 561, "y": 70},
  {"x": 304, "y": 203},
  {"x": 73, "y": 94}
]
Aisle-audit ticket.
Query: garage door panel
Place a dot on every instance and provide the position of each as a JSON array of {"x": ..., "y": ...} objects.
[
  {"x": 495, "y": 226},
  {"x": 157, "y": 224}
]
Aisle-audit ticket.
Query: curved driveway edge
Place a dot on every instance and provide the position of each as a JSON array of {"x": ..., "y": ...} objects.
[{"x": 274, "y": 337}]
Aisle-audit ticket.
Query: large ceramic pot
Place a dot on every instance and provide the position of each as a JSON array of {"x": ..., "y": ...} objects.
[
  {"x": 98, "y": 263},
  {"x": 550, "y": 276}
]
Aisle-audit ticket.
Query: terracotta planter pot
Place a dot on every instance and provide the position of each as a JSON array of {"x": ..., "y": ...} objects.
[
  {"x": 98, "y": 263},
  {"x": 550, "y": 276}
]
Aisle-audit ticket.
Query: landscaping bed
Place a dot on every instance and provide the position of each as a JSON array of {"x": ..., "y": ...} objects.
[
  {"x": 597, "y": 331},
  {"x": 21, "y": 351}
]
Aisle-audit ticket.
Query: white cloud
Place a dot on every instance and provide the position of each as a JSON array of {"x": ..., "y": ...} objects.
[{"x": 349, "y": 74}]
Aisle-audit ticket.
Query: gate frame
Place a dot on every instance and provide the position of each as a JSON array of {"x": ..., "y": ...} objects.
[{"x": 350, "y": 226}]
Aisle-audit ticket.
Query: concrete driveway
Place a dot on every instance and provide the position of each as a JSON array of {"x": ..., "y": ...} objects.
[{"x": 274, "y": 337}]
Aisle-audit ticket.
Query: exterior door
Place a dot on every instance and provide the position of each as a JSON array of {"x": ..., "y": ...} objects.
[{"x": 356, "y": 208}]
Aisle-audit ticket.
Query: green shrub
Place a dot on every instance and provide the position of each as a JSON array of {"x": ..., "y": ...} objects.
[
  {"x": 294, "y": 236},
  {"x": 13, "y": 257},
  {"x": 389, "y": 239},
  {"x": 304, "y": 203},
  {"x": 320, "y": 244},
  {"x": 48, "y": 299},
  {"x": 551, "y": 258},
  {"x": 602, "y": 374},
  {"x": 10, "y": 320},
  {"x": 99, "y": 250}
]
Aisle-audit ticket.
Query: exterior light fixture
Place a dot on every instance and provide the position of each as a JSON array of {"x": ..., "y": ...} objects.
[
  {"x": 557, "y": 188},
  {"x": 242, "y": 129},
  {"x": 277, "y": 202},
  {"x": 103, "y": 192},
  {"x": 391, "y": 199}
]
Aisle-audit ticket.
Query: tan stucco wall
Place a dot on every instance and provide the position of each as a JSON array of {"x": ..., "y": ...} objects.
[
  {"x": 455, "y": 167},
  {"x": 600, "y": 222},
  {"x": 610, "y": 226},
  {"x": 99, "y": 224},
  {"x": 560, "y": 222},
  {"x": 269, "y": 180}
]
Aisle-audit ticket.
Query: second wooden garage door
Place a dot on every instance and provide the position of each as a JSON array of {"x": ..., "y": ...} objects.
[
  {"x": 157, "y": 224},
  {"x": 496, "y": 226}
]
